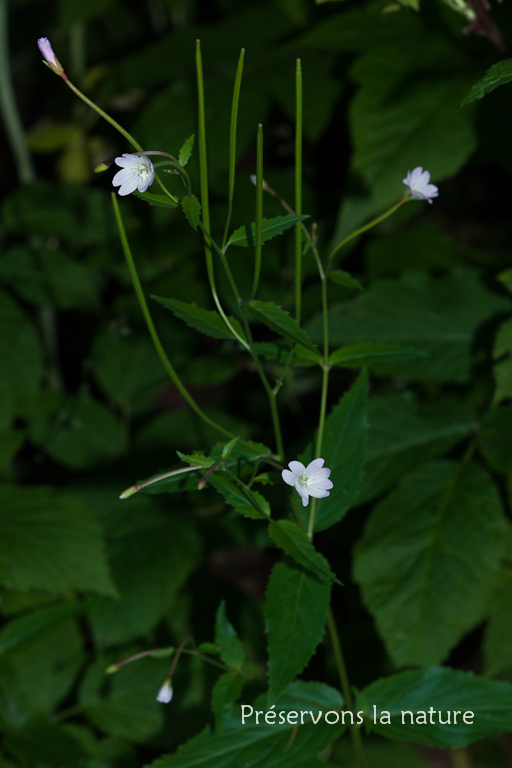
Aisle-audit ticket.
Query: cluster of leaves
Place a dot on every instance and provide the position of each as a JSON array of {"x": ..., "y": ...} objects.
[{"x": 418, "y": 436}]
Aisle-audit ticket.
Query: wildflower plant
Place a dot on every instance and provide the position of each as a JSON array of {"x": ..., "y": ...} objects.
[{"x": 294, "y": 490}]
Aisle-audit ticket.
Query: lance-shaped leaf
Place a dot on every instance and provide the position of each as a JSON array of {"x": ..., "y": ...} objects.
[
  {"x": 192, "y": 209},
  {"x": 161, "y": 201},
  {"x": 345, "y": 279},
  {"x": 445, "y": 691},
  {"x": 231, "y": 649},
  {"x": 203, "y": 320},
  {"x": 296, "y": 612},
  {"x": 344, "y": 451},
  {"x": 294, "y": 542},
  {"x": 245, "y": 236},
  {"x": 281, "y": 322},
  {"x": 440, "y": 531},
  {"x": 248, "y": 502},
  {"x": 370, "y": 353},
  {"x": 301, "y": 357},
  {"x": 186, "y": 151},
  {"x": 499, "y": 74}
]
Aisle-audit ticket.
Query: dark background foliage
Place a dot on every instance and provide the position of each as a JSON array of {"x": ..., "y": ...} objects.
[{"x": 85, "y": 406}]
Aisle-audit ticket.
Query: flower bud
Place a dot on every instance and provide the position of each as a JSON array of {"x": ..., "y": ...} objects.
[{"x": 50, "y": 58}]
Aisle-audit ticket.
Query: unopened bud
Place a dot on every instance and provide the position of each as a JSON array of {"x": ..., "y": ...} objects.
[{"x": 50, "y": 58}]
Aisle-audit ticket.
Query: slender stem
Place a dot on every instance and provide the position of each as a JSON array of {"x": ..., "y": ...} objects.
[
  {"x": 12, "y": 121},
  {"x": 258, "y": 227},
  {"x": 298, "y": 190},
  {"x": 367, "y": 226},
  {"x": 232, "y": 143},
  {"x": 345, "y": 687},
  {"x": 152, "y": 330}
]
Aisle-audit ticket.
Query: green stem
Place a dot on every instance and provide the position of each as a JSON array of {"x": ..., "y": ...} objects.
[
  {"x": 298, "y": 190},
  {"x": 12, "y": 121},
  {"x": 152, "y": 330},
  {"x": 345, "y": 687},
  {"x": 365, "y": 227},
  {"x": 232, "y": 143},
  {"x": 258, "y": 227}
]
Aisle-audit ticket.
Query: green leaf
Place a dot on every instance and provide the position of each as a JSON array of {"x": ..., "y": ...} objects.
[
  {"x": 203, "y": 320},
  {"x": 36, "y": 623},
  {"x": 231, "y": 649},
  {"x": 295, "y": 543},
  {"x": 129, "y": 710},
  {"x": 229, "y": 447},
  {"x": 344, "y": 451},
  {"x": 75, "y": 432},
  {"x": 248, "y": 503},
  {"x": 503, "y": 368},
  {"x": 151, "y": 560},
  {"x": 275, "y": 744},
  {"x": 444, "y": 690},
  {"x": 49, "y": 542},
  {"x": 345, "y": 279},
  {"x": 225, "y": 692},
  {"x": 442, "y": 529},
  {"x": 368, "y": 353},
  {"x": 280, "y": 321},
  {"x": 245, "y": 236},
  {"x": 186, "y": 151},
  {"x": 43, "y": 742},
  {"x": 18, "y": 341},
  {"x": 295, "y": 623},
  {"x": 499, "y": 74},
  {"x": 436, "y": 315},
  {"x": 160, "y": 201},
  {"x": 495, "y": 439},
  {"x": 497, "y": 646},
  {"x": 301, "y": 356},
  {"x": 192, "y": 209},
  {"x": 403, "y": 435}
]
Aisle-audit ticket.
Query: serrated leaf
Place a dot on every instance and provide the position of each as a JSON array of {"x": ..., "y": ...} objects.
[
  {"x": 413, "y": 571},
  {"x": 345, "y": 279},
  {"x": 245, "y": 236},
  {"x": 295, "y": 543},
  {"x": 247, "y": 503},
  {"x": 50, "y": 543},
  {"x": 295, "y": 625},
  {"x": 281, "y": 322},
  {"x": 229, "y": 447},
  {"x": 445, "y": 691},
  {"x": 225, "y": 692},
  {"x": 160, "y": 201},
  {"x": 287, "y": 744},
  {"x": 192, "y": 209},
  {"x": 186, "y": 151},
  {"x": 499, "y": 74},
  {"x": 344, "y": 451},
  {"x": 369, "y": 353},
  {"x": 203, "y": 320},
  {"x": 231, "y": 649}
]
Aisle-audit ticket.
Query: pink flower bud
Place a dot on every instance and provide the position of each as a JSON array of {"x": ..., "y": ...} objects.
[{"x": 50, "y": 58}]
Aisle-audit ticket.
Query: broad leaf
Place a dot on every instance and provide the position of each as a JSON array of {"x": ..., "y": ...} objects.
[
  {"x": 502, "y": 353},
  {"x": 442, "y": 529},
  {"x": 295, "y": 543},
  {"x": 497, "y": 646},
  {"x": 50, "y": 542},
  {"x": 402, "y": 435},
  {"x": 445, "y": 691},
  {"x": 281, "y": 322},
  {"x": 226, "y": 691},
  {"x": 438, "y": 316},
  {"x": 231, "y": 649},
  {"x": 192, "y": 209},
  {"x": 203, "y": 320},
  {"x": 499, "y": 74},
  {"x": 295, "y": 625},
  {"x": 245, "y": 236},
  {"x": 344, "y": 451}
]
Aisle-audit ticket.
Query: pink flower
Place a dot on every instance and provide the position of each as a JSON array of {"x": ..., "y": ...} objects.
[
  {"x": 417, "y": 183},
  {"x": 50, "y": 58}
]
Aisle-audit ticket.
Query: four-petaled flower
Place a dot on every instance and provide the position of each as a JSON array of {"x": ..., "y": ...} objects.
[
  {"x": 138, "y": 173},
  {"x": 417, "y": 183},
  {"x": 50, "y": 58},
  {"x": 312, "y": 480},
  {"x": 165, "y": 693}
]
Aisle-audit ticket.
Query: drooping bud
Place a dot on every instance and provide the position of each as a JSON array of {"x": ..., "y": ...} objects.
[
  {"x": 165, "y": 693},
  {"x": 50, "y": 58}
]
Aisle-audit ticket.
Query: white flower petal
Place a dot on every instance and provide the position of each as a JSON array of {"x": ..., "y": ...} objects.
[
  {"x": 297, "y": 467},
  {"x": 314, "y": 465},
  {"x": 288, "y": 477}
]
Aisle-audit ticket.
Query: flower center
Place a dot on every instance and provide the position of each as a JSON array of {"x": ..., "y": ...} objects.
[
  {"x": 303, "y": 480},
  {"x": 143, "y": 169}
]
